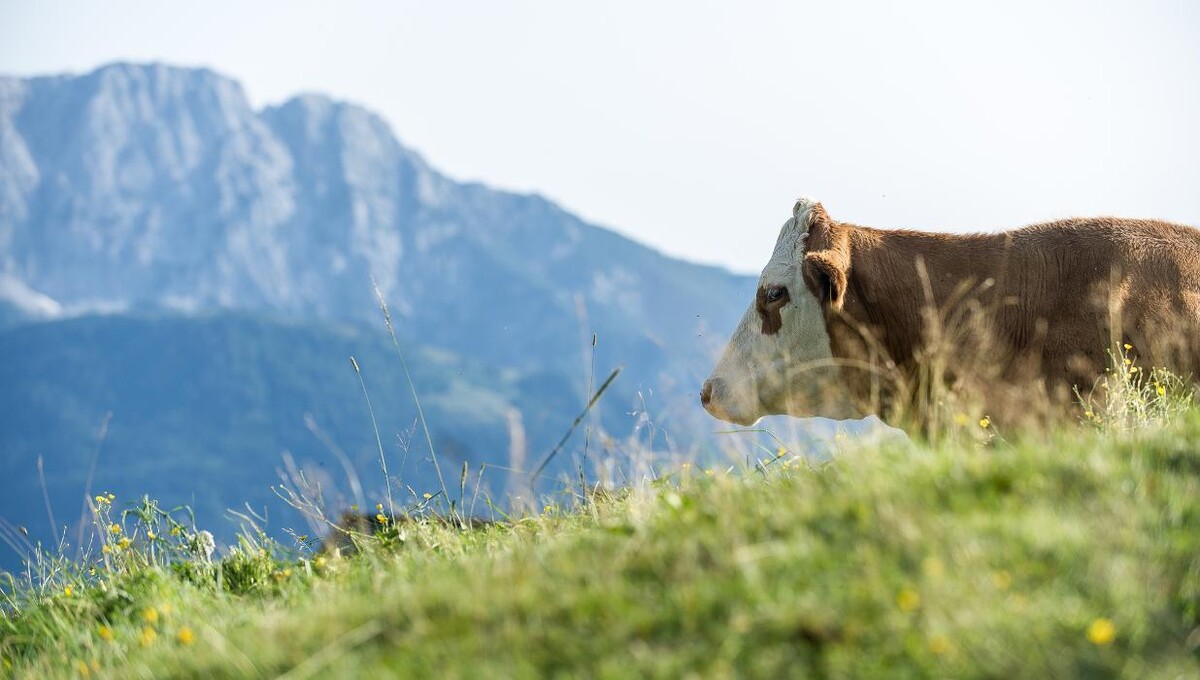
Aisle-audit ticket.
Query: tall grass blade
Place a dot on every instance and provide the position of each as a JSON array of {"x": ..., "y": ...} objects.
[
  {"x": 574, "y": 424},
  {"x": 41, "y": 467},
  {"x": 387, "y": 319},
  {"x": 378, "y": 442},
  {"x": 91, "y": 475}
]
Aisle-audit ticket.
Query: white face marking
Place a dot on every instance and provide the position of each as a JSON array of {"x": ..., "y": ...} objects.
[{"x": 786, "y": 372}]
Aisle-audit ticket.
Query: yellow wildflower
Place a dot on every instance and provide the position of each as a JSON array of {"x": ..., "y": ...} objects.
[
  {"x": 150, "y": 535},
  {"x": 148, "y": 636},
  {"x": 379, "y": 507},
  {"x": 185, "y": 636},
  {"x": 908, "y": 600},
  {"x": 114, "y": 529},
  {"x": 933, "y": 567},
  {"x": 940, "y": 645},
  {"x": 427, "y": 495},
  {"x": 124, "y": 542},
  {"x": 1128, "y": 346},
  {"x": 1101, "y": 632},
  {"x": 150, "y": 615},
  {"x": 1001, "y": 579},
  {"x": 985, "y": 422},
  {"x": 319, "y": 562},
  {"x": 106, "y": 548},
  {"x": 381, "y": 518},
  {"x": 1160, "y": 390},
  {"x": 68, "y": 591},
  {"x": 175, "y": 530},
  {"x": 105, "y": 633}
]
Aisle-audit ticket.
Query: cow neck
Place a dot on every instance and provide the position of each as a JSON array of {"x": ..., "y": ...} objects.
[
  {"x": 885, "y": 295},
  {"x": 887, "y": 264}
]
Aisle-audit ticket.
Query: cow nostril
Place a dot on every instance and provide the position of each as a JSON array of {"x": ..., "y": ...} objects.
[{"x": 712, "y": 390}]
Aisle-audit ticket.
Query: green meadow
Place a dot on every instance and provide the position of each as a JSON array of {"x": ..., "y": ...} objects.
[{"x": 1071, "y": 553}]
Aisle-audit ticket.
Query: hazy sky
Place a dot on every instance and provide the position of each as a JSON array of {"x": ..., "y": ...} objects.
[{"x": 692, "y": 126}]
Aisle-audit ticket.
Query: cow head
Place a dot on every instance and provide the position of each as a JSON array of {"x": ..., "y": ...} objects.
[{"x": 778, "y": 360}]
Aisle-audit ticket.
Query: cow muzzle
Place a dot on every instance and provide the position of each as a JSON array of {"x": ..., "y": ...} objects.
[
  {"x": 715, "y": 399},
  {"x": 706, "y": 392}
]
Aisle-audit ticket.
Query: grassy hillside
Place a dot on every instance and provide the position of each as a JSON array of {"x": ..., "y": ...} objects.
[{"x": 1069, "y": 555}]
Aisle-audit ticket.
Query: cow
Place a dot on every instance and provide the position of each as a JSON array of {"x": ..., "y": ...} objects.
[{"x": 849, "y": 320}]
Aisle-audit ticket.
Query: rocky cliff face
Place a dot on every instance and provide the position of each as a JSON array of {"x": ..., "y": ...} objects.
[
  {"x": 192, "y": 266},
  {"x": 157, "y": 187}
]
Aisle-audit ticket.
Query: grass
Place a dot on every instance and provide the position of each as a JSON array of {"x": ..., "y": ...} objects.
[{"x": 1075, "y": 554}]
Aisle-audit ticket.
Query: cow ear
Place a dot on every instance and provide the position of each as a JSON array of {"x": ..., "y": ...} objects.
[{"x": 827, "y": 276}]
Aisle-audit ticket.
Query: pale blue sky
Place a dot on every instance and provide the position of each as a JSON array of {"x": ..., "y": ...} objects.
[{"x": 691, "y": 126}]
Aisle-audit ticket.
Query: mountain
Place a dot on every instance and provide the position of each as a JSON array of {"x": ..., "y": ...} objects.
[
  {"x": 202, "y": 270},
  {"x": 138, "y": 187}
]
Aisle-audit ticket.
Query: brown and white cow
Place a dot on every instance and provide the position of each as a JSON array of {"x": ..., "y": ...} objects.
[{"x": 847, "y": 320}]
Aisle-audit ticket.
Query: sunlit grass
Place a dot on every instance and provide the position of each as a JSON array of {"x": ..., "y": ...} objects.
[
  {"x": 1130, "y": 396},
  {"x": 1061, "y": 555}
]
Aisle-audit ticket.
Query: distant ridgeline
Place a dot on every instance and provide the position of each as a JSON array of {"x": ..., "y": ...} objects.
[{"x": 189, "y": 277}]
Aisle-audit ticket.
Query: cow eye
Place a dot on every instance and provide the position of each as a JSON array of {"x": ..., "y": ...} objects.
[{"x": 775, "y": 293}]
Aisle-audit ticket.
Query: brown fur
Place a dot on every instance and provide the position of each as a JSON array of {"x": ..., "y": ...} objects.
[{"x": 1043, "y": 304}]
